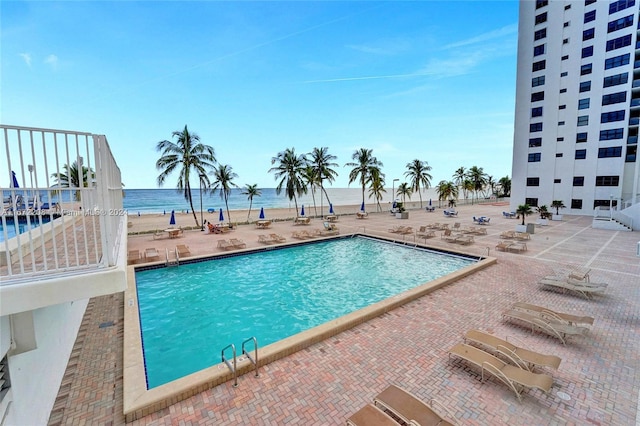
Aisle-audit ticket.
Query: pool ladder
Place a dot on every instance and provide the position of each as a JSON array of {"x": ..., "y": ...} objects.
[{"x": 233, "y": 367}]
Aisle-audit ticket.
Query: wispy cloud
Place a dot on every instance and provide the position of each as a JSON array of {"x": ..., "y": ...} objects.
[
  {"x": 52, "y": 60},
  {"x": 26, "y": 57},
  {"x": 384, "y": 47},
  {"x": 483, "y": 38},
  {"x": 366, "y": 77}
]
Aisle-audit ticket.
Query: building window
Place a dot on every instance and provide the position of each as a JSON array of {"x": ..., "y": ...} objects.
[
  {"x": 537, "y": 81},
  {"x": 538, "y": 50},
  {"x": 536, "y": 112},
  {"x": 614, "y": 98},
  {"x": 578, "y": 181},
  {"x": 616, "y": 61},
  {"x": 564, "y": 74},
  {"x": 583, "y": 120},
  {"x": 534, "y": 157},
  {"x": 533, "y": 181},
  {"x": 540, "y": 65},
  {"x": 563, "y": 90},
  {"x": 617, "y": 6},
  {"x": 567, "y": 7},
  {"x": 557, "y": 181},
  {"x": 611, "y": 134},
  {"x": 562, "y": 107},
  {"x": 565, "y": 41},
  {"x": 619, "y": 42},
  {"x": 610, "y": 152},
  {"x": 566, "y": 24},
  {"x": 614, "y": 80},
  {"x": 585, "y": 86},
  {"x": 618, "y": 24},
  {"x": 560, "y": 139},
  {"x": 576, "y": 204},
  {"x": 535, "y": 127},
  {"x": 584, "y": 103},
  {"x": 581, "y": 154},
  {"x": 587, "y": 51},
  {"x": 541, "y": 3},
  {"x": 590, "y": 16},
  {"x": 631, "y": 153},
  {"x": 607, "y": 180},
  {"x": 558, "y": 155},
  {"x": 533, "y": 202},
  {"x": 540, "y": 34},
  {"x": 581, "y": 137},
  {"x": 588, "y": 2},
  {"x": 535, "y": 142},
  {"x": 537, "y": 96},
  {"x": 609, "y": 117},
  {"x": 586, "y": 69},
  {"x": 541, "y": 18},
  {"x": 565, "y": 57},
  {"x": 560, "y": 123},
  {"x": 588, "y": 34}
]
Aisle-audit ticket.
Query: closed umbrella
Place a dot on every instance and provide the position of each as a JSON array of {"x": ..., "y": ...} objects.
[
  {"x": 172, "y": 220},
  {"x": 14, "y": 180},
  {"x": 429, "y": 202},
  {"x": 261, "y": 213},
  {"x": 362, "y": 207},
  {"x": 302, "y": 211},
  {"x": 330, "y": 208},
  {"x": 221, "y": 217}
]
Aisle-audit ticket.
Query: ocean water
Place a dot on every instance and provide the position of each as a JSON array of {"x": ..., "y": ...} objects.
[{"x": 165, "y": 200}]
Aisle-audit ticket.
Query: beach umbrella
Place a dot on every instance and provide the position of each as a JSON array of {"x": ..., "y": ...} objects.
[
  {"x": 14, "y": 180},
  {"x": 172, "y": 220},
  {"x": 302, "y": 211},
  {"x": 221, "y": 217},
  {"x": 261, "y": 213},
  {"x": 394, "y": 204},
  {"x": 362, "y": 207},
  {"x": 429, "y": 202},
  {"x": 330, "y": 208}
]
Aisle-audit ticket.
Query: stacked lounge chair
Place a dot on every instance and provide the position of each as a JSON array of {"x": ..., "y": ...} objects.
[{"x": 549, "y": 326}]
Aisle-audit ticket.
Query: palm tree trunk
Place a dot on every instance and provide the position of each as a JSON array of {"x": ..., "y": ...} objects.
[
  {"x": 250, "y": 204},
  {"x": 195, "y": 217}
]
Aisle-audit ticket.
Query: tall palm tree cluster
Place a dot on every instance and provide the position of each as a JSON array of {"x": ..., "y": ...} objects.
[
  {"x": 473, "y": 181},
  {"x": 297, "y": 174}
]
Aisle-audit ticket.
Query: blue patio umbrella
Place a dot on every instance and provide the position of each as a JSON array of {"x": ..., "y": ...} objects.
[
  {"x": 172, "y": 220},
  {"x": 330, "y": 208},
  {"x": 362, "y": 207},
  {"x": 429, "y": 202},
  {"x": 221, "y": 217},
  {"x": 394, "y": 204},
  {"x": 261, "y": 213},
  {"x": 14, "y": 180},
  {"x": 302, "y": 211}
]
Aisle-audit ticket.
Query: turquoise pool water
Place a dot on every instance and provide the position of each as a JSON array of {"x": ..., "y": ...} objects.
[
  {"x": 189, "y": 313},
  {"x": 22, "y": 227}
]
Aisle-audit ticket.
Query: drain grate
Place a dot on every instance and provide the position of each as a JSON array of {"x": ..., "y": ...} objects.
[
  {"x": 106, "y": 324},
  {"x": 563, "y": 396}
]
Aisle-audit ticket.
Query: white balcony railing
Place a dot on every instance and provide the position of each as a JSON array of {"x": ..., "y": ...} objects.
[{"x": 62, "y": 203}]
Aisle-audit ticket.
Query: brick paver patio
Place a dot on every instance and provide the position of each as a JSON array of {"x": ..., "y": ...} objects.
[{"x": 597, "y": 382}]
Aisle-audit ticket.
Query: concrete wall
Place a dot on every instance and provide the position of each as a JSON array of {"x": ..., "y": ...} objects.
[{"x": 36, "y": 375}]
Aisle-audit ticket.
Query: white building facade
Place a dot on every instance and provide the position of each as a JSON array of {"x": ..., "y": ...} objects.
[{"x": 577, "y": 106}]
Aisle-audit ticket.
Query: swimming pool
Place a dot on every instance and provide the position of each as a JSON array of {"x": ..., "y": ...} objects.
[
  {"x": 22, "y": 226},
  {"x": 139, "y": 400},
  {"x": 269, "y": 295}
]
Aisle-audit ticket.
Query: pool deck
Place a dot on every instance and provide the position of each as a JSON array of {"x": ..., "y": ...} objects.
[{"x": 597, "y": 382}]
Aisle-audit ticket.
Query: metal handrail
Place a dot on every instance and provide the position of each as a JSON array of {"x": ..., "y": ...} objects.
[
  {"x": 254, "y": 361},
  {"x": 231, "y": 367}
]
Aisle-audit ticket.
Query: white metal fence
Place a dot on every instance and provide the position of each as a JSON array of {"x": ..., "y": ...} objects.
[{"x": 61, "y": 203}]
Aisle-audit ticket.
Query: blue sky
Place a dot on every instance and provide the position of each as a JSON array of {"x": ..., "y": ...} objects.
[{"x": 432, "y": 80}]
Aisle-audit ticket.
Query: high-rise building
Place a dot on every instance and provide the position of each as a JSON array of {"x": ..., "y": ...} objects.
[{"x": 577, "y": 105}]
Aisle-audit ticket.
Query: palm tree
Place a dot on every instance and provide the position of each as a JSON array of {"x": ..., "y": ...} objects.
[
  {"x": 467, "y": 186},
  {"x": 447, "y": 190},
  {"x": 557, "y": 204},
  {"x": 505, "y": 185},
  {"x": 185, "y": 156},
  {"x": 377, "y": 188},
  {"x": 251, "y": 191},
  {"x": 524, "y": 210},
  {"x": 223, "y": 177},
  {"x": 71, "y": 178},
  {"x": 418, "y": 172},
  {"x": 459, "y": 176},
  {"x": 492, "y": 185},
  {"x": 311, "y": 179},
  {"x": 322, "y": 163},
  {"x": 289, "y": 168},
  {"x": 365, "y": 165},
  {"x": 404, "y": 190},
  {"x": 478, "y": 178}
]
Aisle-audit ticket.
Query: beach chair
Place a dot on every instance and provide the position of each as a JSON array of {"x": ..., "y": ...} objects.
[
  {"x": 585, "y": 289},
  {"x": 225, "y": 245},
  {"x": 508, "y": 234},
  {"x": 151, "y": 254},
  {"x": 503, "y": 245},
  {"x": 407, "y": 407},
  {"x": 369, "y": 415},
  {"x": 158, "y": 234},
  {"x": 552, "y": 328},
  {"x": 133, "y": 257},
  {"x": 517, "y": 247},
  {"x": 463, "y": 239},
  {"x": 519, "y": 356},
  {"x": 183, "y": 250},
  {"x": 425, "y": 233},
  {"x": 277, "y": 238},
  {"x": 265, "y": 239},
  {"x": 516, "y": 378},
  {"x": 299, "y": 235},
  {"x": 448, "y": 236},
  {"x": 553, "y": 315},
  {"x": 301, "y": 221},
  {"x": 362, "y": 215},
  {"x": 396, "y": 229},
  {"x": 237, "y": 243},
  {"x": 522, "y": 236}
]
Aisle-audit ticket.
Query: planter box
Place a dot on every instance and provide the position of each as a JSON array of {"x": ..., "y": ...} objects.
[
  {"x": 521, "y": 228},
  {"x": 403, "y": 215},
  {"x": 542, "y": 222},
  {"x": 556, "y": 217}
]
